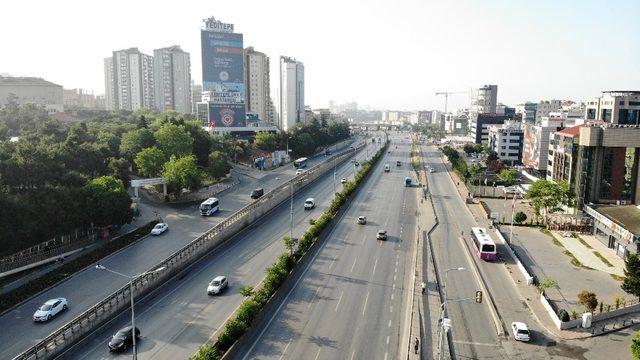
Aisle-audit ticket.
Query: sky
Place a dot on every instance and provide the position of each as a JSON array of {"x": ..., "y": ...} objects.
[{"x": 383, "y": 54}]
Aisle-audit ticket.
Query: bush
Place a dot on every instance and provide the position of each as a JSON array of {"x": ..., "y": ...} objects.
[
  {"x": 520, "y": 217},
  {"x": 206, "y": 352},
  {"x": 563, "y": 315},
  {"x": 248, "y": 311},
  {"x": 588, "y": 300},
  {"x": 233, "y": 329}
]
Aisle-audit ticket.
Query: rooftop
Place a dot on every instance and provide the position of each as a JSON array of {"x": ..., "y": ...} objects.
[
  {"x": 25, "y": 81},
  {"x": 571, "y": 131},
  {"x": 627, "y": 216}
]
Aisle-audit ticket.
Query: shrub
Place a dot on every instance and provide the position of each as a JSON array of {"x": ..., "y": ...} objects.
[
  {"x": 233, "y": 329},
  {"x": 588, "y": 300},
  {"x": 206, "y": 352},
  {"x": 574, "y": 314},
  {"x": 563, "y": 315},
  {"x": 248, "y": 311},
  {"x": 520, "y": 217},
  {"x": 246, "y": 291}
]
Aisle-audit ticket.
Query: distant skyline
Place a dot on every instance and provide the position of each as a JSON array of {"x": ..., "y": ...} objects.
[{"x": 379, "y": 54}]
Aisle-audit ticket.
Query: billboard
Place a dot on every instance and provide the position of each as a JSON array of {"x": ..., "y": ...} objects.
[
  {"x": 226, "y": 115},
  {"x": 223, "y": 66}
]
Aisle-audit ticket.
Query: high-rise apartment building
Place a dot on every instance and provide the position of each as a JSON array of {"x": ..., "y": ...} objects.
[
  {"x": 128, "y": 76},
  {"x": 507, "y": 140},
  {"x": 258, "y": 84},
  {"x": 196, "y": 96},
  {"x": 484, "y": 100},
  {"x": 615, "y": 107},
  {"x": 172, "y": 79},
  {"x": 291, "y": 92}
]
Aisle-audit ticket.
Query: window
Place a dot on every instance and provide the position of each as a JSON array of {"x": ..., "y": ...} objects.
[
  {"x": 634, "y": 103},
  {"x": 606, "y": 115}
]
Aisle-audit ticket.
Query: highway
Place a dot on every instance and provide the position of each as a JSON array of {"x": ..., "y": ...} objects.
[
  {"x": 351, "y": 301},
  {"x": 175, "y": 321},
  {"x": 89, "y": 286},
  {"x": 474, "y": 331}
]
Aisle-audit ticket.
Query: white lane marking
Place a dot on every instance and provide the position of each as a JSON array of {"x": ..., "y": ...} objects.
[
  {"x": 318, "y": 354},
  {"x": 353, "y": 354},
  {"x": 395, "y": 270},
  {"x": 285, "y": 349},
  {"x": 391, "y": 308},
  {"x": 386, "y": 355},
  {"x": 392, "y": 296},
  {"x": 387, "y": 340},
  {"x": 393, "y": 287},
  {"x": 333, "y": 261},
  {"x": 339, "y": 300},
  {"x": 364, "y": 308},
  {"x": 389, "y": 324},
  {"x": 474, "y": 343},
  {"x": 354, "y": 263},
  {"x": 314, "y": 297},
  {"x": 394, "y": 278},
  {"x": 374, "y": 267}
]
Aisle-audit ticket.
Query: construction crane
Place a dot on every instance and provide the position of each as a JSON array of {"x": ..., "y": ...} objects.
[{"x": 446, "y": 97}]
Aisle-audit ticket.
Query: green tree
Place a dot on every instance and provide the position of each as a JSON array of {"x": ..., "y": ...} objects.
[
  {"x": 469, "y": 149},
  {"x": 4, "y": 132},
  {"x": 174, "y": 140},
  {"x": 265, "y": 141},
  {"x": 150, "y": 161},
  {"x": 474, "y": 172},
  {"x": 182, "y": 173},
  {"x": 108, "y": 202},
  {"x": 588, "y": 300},
  {"x": 547, "y": 196},
  {"x": 635, "y": 346},
  {"x": 508, "y": 176},
  {"x": 218, "y": 165},
  {"x": 134, "y": 141},
  {"x": 631, "y": 282},
  {"x": 547, "y": 284},
  {"x": 201, "y": 141},
  {"x": 491, "y": 157},
  {"x": 111, "y": 141},
  {"x": 120, "y": 169},
  {"x": 520, "y": 217}
]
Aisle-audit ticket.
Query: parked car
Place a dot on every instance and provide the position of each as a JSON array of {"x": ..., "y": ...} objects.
[
  {"x": 382, "y": 235},
  {"x": 123, "y": 339},
  {"x": 159, "y": 228},
  {"x": 257, "y": 193},
  {"x": 50, "y": 309},
  {"x": 520, "y": 331},
  {"x": 217, "y": 285},
  {"x": 362, "y": 220},
  {"x": 343, "y": 180},
  {"x": 309, "y": 204}
]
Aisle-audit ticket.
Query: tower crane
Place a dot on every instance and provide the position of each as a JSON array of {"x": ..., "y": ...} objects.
[{"x": 446, "y": 96}]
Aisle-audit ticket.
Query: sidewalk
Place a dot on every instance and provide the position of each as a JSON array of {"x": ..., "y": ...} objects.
[{"x": 587, "y": 256}]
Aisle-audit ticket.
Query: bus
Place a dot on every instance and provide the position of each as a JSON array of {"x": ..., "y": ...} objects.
[
  {"x": 209, "y": 206},
  {"x": 485, "y": 247},
  {"x": 300, "y": 163}
]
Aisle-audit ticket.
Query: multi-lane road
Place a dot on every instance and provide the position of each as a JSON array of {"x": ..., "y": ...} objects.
[
  {"x": 89, "y": 286},
  {"x": 178, "y": 319}
]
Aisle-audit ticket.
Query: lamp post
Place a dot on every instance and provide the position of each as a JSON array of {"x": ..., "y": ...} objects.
[
  {"x": 133, "y": 318},
  {"x": 444, "y": 309},
  {"x": 291, "y": 211}
]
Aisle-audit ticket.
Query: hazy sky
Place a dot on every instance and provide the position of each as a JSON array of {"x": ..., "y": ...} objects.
[{"x": 386, "y": 54}]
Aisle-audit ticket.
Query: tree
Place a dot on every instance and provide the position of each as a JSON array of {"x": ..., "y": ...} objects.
[
  {"x": 474, "y": 172},
  {"x": 631, "y": 282},
  {"x": 508, "y": 176},
  {"x": 491, "y": 157},
  {"x": 108, "y": 202},
  {"x": 218, "y": 165},
  {"x": 174, "y": 140},
  {"x": 150, "y": 161},
  {"x": 134, "y": 141},
  {"x": 119, "y": 168},
  {"x": 201, "y": 142},
  {"x": 469, "y": 149},
  {"x": 588, "y": 300},
  {"x": 635, "y": 346},
  {"x": 265, "y": 141},
  {"x": 520, "y": 217},
  {"x": 547, "y": 196},
  {"x": 302, "y": 144},
  {"x": 547, "y": 284},
  {"x": 182, "y": 173},
  {"x": 4, "y": 132}
]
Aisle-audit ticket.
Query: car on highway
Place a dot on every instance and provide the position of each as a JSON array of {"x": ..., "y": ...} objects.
[
  {"x": 159, "y": 229},
  {"x": 356, "y": 163},
  {"x": 381, "y": 235},
  {"x": 50, "y": 309},
  {"x": 257, "y": 193},
  {"x": 387, "y": 168},
  {"x": 520, "y": 331},
  {"x": 217, "y": 285},
  {"x": 362, "y": 220},
  {"x": 123, "y": 339},
  {"x": 343, "y": 180},
  {"x": 398, "y": 163},
  {"x": 432, "y": 170},
  {"x": 299, "y": 171},
  {"x": 309, "y": 204}
]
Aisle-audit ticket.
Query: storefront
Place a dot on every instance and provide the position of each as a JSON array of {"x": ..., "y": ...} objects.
[{"x": 618, "y": 227}]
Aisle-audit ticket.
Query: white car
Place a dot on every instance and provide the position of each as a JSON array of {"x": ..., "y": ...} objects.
[
  {"x": 362, "y": 220},
  {"x": 216, "y": 285},
  {"x": 381, "y": 235},
  {"x": 309, "y": 204},
  {"x": 520, "y": 331},
  {"x": 432, "y": 170},
  {"x": 343, "y": 180},
  {"x": 159, "y": 228},
  {"x": 50, "y": 309},
  {"x": 299, "y": 171}
]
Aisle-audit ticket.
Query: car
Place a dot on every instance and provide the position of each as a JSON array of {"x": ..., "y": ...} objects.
[
  {"x": 387, "y": 168},
  {"x": 432, "y": 170},
  {"x": 520, "y": 331},
  {"x": 356, "y": 163},
  {"x": 343, "y": 180},
  {"x": 398, "y": 163},
  {"x": 362, "y": 220},
  {"x": 353, "y": 161},
  {"x": 159, "y": 228},
  {"x": 299, "y": 171},
  {"x": 50, "y": 309},
  {"x": 382, "y": 235},
  {"x": 309, "y": 204},
  {"x": 257, "y": 193},
  {"x": 123, "y": 339},
  {"x": 217, "y": 285}
]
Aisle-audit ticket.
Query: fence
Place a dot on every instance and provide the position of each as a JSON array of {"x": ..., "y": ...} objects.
[
  {"x": 525, "y": 272},
  {"x": 48, "y": 249},
  {"x": 118, "y": 301}
]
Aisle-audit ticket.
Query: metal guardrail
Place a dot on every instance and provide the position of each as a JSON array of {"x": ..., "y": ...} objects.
[{"x": 119, "y": 300}]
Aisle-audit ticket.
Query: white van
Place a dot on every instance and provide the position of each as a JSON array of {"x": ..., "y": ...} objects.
[{"x": 387, "y": 168}]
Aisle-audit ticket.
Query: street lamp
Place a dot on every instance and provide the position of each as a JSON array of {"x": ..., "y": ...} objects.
[
  {"x": 444, "y": 309},
  {"x": 133, "y": 318}
]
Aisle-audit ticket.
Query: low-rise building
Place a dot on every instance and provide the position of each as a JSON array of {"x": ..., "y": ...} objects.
[
  {"x": 618, "y": 227},
  {"x": 479, "y": 125},
  {"x": 31, "y": 90},
  {"x": 615, "y": 107},
  {"x": 536, "y": 143},
  {"x": 506, "y": 140}
]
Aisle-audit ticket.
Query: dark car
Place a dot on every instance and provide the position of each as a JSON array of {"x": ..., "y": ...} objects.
[
  {"x": 256, "y": 193},
  {"x": 123, "y": 339}
]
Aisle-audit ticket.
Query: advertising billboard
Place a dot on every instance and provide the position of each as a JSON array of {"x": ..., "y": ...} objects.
[
  {"x": 226, "y": 115},
  {"x": 223, "y": 66}
]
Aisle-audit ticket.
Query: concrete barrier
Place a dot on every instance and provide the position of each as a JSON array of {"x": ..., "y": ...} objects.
[
  {"x": 521, "y": 267},
  {"x": 98, "y": 314}
]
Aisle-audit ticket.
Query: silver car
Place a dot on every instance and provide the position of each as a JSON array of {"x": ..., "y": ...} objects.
[{"x": 50, "y": 309}]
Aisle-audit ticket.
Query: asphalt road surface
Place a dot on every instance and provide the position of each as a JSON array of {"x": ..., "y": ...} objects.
[
  {"x": 89, "y": 286},
  {"x": 351, "y": 301},
  {"x": 175, "y": 321}
]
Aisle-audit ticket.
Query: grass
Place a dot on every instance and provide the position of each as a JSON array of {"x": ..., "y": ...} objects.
[
  {"x": 583, "y": 242},
  {"x": 617, "y": 277},
  {"x": 575, "y": 262},
  {"x": 553, "y": 238},
  {"x": 603, "y": 259}
]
